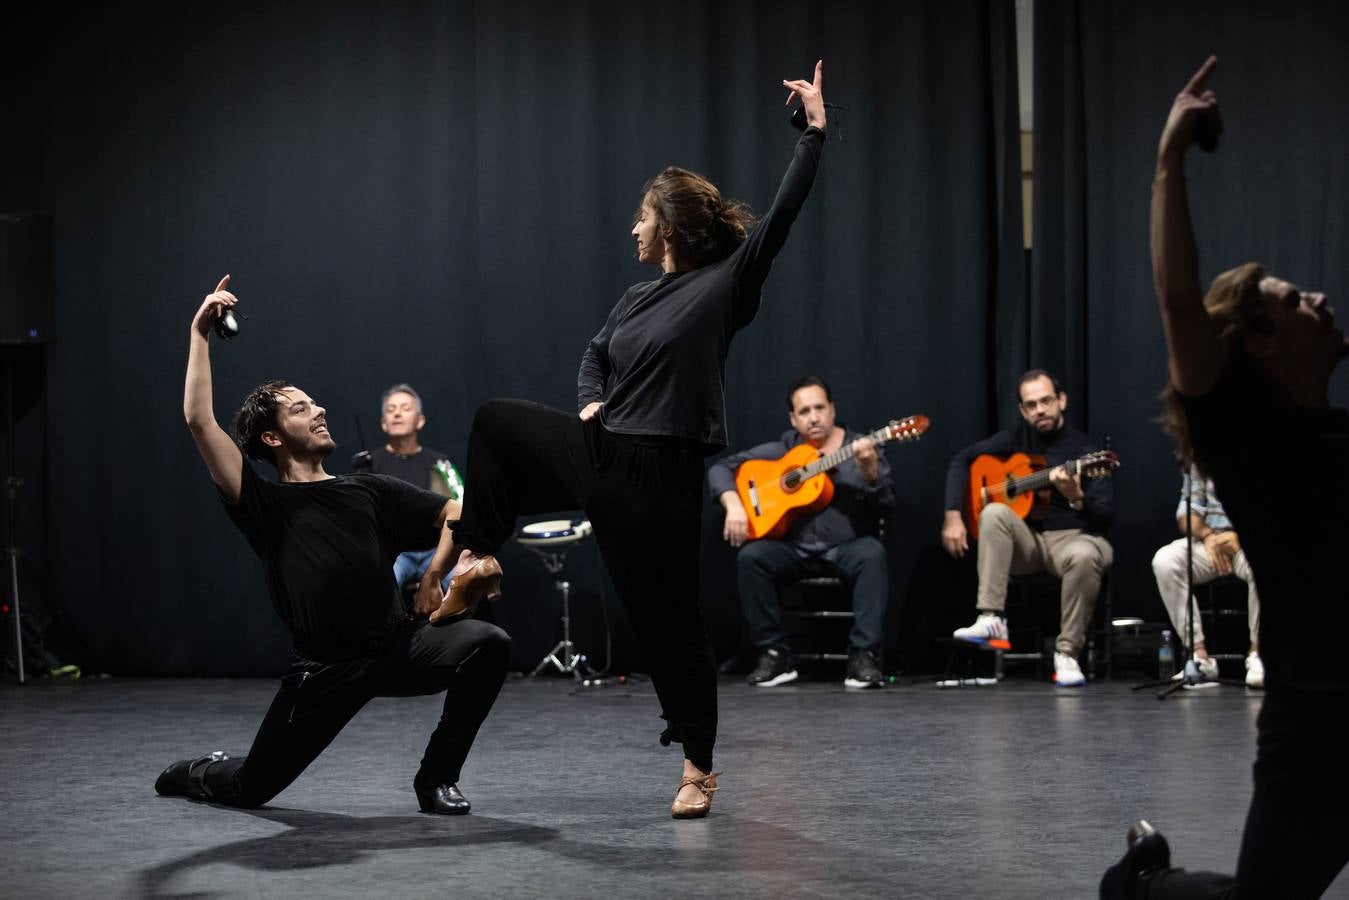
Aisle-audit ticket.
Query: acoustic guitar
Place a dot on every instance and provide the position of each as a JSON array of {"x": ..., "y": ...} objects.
[
  {"x": 775, "y": 492},
  {"x": 1022, "y": 482}
]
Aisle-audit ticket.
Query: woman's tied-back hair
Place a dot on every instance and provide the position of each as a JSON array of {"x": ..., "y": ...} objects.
[
  {"x": 1236, "y": 305},
  {"x": 256, "y": 415},
  {"x": 707, "y": 228}
]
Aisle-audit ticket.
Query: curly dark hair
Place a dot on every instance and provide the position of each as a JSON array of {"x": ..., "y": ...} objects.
[
  {"x": 256, "y": 415},
  {"x": 706, "y": 228},
  {"x": 1236, "y": 305}
]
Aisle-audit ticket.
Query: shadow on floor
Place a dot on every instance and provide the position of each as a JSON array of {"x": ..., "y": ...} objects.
[{"x": 317, "y": 839}]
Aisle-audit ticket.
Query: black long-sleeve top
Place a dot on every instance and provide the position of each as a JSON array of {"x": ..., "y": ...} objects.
[
  {"x": 659, "y": 363},
  {"x": 856, "y": 510},
  {"x": 1294, "y": 535},
  {"x": 1098, "y": 502}
]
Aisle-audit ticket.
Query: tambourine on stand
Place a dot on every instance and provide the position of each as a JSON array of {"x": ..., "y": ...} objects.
[{"x": 550, "y": 541}]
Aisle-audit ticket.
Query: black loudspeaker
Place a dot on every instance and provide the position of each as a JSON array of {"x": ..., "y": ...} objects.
[{"x": 26, "y": 278}]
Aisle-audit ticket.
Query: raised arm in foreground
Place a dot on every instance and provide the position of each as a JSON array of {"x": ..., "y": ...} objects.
[
  {"x": 222, "y": 456},
  {"x": 1195, "y": 354}
]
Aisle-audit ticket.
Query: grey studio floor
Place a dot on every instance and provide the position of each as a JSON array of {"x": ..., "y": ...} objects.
[{"x": 1018, "y": 790}]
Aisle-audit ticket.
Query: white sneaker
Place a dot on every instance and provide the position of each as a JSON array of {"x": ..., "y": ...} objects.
[
  {"x": 1066, "y": 671},
  {"x": 1255, "y": 671},
  {"x": 987, "y": 629},
  {"x": 1208, "y": 667}
]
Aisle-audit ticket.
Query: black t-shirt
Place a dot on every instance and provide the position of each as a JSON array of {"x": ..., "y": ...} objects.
[
  {"x": 1281, "y": 473},
  {"x": 414, "y": 468},
  {"x": 328, "y": 547}
]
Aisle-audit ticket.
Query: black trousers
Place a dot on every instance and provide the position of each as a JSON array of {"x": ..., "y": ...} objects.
[
  {"x": 763, "y": 565},
  {"x": 467, "y": 660},
  {"x": 644, "y": 499},
  {"x": 1296, "y": 838}
]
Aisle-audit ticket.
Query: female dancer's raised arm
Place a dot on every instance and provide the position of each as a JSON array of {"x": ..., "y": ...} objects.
[
  {"x": 1194, "y": 351},
  {"x": 753, "y": 259}
]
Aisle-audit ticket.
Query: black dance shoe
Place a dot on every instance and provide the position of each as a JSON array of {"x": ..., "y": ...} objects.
[
  {"x": 186, "y": 778},
  {"x": 443, "y": 799},
  {"x": 1151, "y": 850}
]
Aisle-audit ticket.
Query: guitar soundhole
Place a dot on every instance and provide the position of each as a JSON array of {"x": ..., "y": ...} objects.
[{"x": 791, "y": 481}]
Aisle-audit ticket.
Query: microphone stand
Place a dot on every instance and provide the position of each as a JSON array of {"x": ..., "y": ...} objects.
[{"x": 12, "y": 484}]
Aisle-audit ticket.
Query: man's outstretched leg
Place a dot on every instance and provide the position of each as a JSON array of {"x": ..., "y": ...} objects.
[{"x": 293, "y": 733}]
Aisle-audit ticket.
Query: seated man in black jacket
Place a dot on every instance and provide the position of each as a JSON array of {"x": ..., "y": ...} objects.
[
  {"x": 837, "y": 540},
  {"x": 1067, "y": 542}
]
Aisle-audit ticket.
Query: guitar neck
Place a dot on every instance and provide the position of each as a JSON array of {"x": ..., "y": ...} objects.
[
  {"x": 842, "y": 454},
  {"x": 1039, "y": 480}
]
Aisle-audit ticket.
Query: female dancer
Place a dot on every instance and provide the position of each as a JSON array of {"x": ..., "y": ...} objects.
[
  {"x": 651, "y": 395},
  {"x": 1250, "y": 365}
]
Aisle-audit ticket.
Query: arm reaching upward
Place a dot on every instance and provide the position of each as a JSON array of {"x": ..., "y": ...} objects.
[
  {"x": 222, "y": 456},
  {"x": 1195, "y": 354},
  {"x": 754, "y": 258}
]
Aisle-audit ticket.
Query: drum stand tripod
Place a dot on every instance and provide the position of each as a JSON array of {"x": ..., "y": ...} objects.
[
  {"x": 551, "y": 541},
  {"x": 564, "y": 657}
]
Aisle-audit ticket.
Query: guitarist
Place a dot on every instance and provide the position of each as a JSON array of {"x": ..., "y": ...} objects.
[
  {"x": 1068, "y": 542},
  {"x": 840, "y": 539}
]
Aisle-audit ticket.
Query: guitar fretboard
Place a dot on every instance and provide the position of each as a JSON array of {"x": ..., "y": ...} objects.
[
  {"x": 842, "y": 454},
  {"x": 1039, "y": 480}
]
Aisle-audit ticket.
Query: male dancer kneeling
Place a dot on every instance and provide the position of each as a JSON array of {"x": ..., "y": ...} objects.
[{"x": 328, "y": 545}]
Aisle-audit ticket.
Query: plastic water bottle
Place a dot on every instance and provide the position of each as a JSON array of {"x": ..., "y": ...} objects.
[{"x": 1166, "y": 661}]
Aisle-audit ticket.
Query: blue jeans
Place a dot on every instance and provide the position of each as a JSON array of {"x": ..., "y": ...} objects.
[{"x": 412, "y": 564}]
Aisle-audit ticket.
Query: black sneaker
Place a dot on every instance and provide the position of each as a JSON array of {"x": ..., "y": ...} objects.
[
  {"x": 864, "y": 670},
  {"x": 774, "y": 668}
]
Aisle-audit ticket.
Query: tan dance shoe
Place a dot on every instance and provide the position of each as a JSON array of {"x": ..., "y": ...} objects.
[
  {"x": 696, "y": 810},
  {"x": 467, "y": 588}
]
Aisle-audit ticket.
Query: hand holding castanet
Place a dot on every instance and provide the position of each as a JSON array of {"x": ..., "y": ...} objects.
[{"x": 213, "y": 308}]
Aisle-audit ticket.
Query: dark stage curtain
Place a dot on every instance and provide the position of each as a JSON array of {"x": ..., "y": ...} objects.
[
  {"x": 1275, "y": 192},
  {"x": 441, "y": 194}
]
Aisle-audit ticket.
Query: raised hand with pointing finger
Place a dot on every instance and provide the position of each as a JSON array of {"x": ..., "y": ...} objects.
[
  {"x": 1194, "y": 115},
  {"x": 811, "y": 94}
]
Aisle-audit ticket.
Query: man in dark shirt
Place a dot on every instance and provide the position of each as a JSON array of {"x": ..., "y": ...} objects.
[
  {"x": 402, "y": 419},
  {"x": 327, "y": 545},
  {"x": 837, "y": 540},
  {"x": 1068, "y": 542}
]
